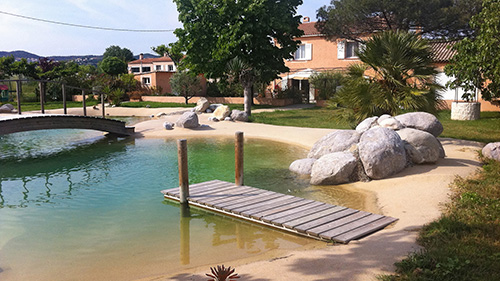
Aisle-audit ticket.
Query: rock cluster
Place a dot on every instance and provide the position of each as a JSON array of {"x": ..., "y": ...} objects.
[
  {"x": 7, "y": 108},
  {"x": 378, "y": 148}
]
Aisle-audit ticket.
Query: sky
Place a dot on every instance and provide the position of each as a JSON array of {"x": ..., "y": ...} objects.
[{"x": 46, "y": 39}]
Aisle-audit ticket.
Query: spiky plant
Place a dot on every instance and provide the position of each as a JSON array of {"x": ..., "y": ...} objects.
[
  {"x": 400, "y": 78},
  {"x": 222, "y": 274}
]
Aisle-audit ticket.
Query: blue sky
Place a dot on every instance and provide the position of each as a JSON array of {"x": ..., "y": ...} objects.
[{"x": 47, "y": 39}]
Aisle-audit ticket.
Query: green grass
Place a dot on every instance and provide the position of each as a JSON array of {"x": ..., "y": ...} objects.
[
  {"x": 32, "y": 106},
  {"x": 311, "y": 118},
  {"x": 486, "y": 129},
  {"x": 155, "y": 104},
  {"x": 464, "y": 244}
]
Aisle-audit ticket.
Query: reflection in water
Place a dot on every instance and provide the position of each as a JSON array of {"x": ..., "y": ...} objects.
[{"x": 96, "y": 210}]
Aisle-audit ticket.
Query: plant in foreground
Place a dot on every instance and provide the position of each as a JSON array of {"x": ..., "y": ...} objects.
[{"x": 222, "y": 274}]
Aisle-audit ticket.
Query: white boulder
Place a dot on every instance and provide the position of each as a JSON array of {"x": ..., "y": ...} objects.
[
  {"x": 340, "y": 140},
  {"x": 188, "y": 120},
  {"x": 421, "y": 121},
  {"x": 492, "y": 151},
  {"x": 222, "y": 112},
  {"x": 421, "y": 146},
  {"x": 333, "y": 168},
  {"x": 302, "y": 166}
]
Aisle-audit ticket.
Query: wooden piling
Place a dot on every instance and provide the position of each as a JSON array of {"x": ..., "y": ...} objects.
[
  {"x": 102, "y": 105},
  {"x": 63, "y": 88},
  {"x": 183, "y": 171},
  {"x": 19, "y": 90},
  {"x": 238, "y": 155},
  {"x": 42, "y": 97},
  {"x": 84, "y": 103}
]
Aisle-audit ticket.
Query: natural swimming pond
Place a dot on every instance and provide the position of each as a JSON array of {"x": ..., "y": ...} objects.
[{"x": 75, "y": 206}]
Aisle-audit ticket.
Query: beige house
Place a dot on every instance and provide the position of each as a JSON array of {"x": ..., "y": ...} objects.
[{"x": 153, "y": 72}]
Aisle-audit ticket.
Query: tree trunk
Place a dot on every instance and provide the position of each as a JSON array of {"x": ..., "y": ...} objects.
[{"x": 248, "y": 97}]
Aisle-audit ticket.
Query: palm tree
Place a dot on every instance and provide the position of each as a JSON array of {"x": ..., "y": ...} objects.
[
  {"x": 399, "y": 78},
  {"x": 246, "y": 75}
]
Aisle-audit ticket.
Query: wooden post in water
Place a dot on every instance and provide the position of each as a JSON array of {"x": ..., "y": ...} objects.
[
  {"x": 102, "y": 105},
  {"x": 19, "y": 90},
  {"x": 63, "y": 88},
  {"x": 238, "y": 158},
  {"x": 84, "y": 103},
  {"x": 42, "y": 97},
  {"x": 183, "y": 171}
]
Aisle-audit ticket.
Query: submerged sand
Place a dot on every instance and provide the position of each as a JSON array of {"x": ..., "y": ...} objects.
[{"x": 415, "y": 196}]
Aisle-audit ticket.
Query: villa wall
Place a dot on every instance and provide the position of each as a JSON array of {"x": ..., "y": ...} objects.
[{"x": 222, "y": 100}]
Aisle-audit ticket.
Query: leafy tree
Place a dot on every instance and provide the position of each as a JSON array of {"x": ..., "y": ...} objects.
[
  {"x": 477, "y": 62},
  {"x": 113, "y": 66},
  {"x": 186, "y": 84},
  {"x": 402, "y": 78},
  {"x": 260, "y": 33},
  {"x": 115, "y": 51},
  {"x": 434, "y": 18},
  {"x": 326, "y": 83},
  {"x": 6, "y": 66},
  {"x": 173, "y": 51}
]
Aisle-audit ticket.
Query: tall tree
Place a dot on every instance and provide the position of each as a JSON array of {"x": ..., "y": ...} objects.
[
  {"x": 259, "y": 32},
  {"x": 172, "y": 50},
  {"x": 113, "y": 66},
  {"x": 116, "y": 51},
  {"x": 433, "y": 18},
  {"x": 186, "y": 84},
  {"x": 477, "y": 62}
]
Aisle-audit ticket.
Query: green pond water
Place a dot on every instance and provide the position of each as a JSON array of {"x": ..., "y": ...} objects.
[{"x": 78, "y": 206}]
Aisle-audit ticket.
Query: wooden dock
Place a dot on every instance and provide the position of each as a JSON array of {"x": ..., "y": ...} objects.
[{"x": 285, "y": 212}]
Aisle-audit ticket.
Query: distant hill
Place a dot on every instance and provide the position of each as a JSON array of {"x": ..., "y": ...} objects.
[{"x": 82, "y": 60}]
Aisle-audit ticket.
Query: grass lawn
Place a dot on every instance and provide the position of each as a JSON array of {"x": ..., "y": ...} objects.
[
  {"x": 486, "y": 129},
  {"x": 32, "y": 106},
  {"x": 170, "y": 104},
  {"x": 316, "y": 117}
]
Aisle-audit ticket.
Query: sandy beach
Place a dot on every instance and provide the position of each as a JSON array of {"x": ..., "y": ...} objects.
[{"x": 415, "y": 196}]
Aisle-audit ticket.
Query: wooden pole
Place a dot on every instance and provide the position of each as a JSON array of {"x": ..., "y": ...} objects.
[
  {"x": 102, "y": 105},
  {"x": 183, "y": 171},
  {"x": 63, "y": 88},
  {"x": 19, "y": 90},
  {"x": 238, "y": 155},
  {"x": 42, "y": 97},
  {"x": 84, "y": 103},
  {"x": 185, "y": 234}
]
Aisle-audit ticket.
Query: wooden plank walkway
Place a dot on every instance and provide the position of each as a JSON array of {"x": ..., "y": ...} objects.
[{"x": 293, "y": 214}]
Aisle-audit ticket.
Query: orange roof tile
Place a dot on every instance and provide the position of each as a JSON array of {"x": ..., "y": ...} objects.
[{"x": 309, "y": 28}]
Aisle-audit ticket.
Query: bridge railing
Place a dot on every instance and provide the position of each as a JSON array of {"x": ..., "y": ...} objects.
[{"x": 42, "y": 84}]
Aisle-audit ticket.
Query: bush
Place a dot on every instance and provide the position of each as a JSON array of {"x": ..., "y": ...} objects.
[{"x": 326, "y": 83}]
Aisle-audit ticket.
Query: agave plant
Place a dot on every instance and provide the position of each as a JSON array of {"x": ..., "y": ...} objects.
[{"x": 222, "y": 274}]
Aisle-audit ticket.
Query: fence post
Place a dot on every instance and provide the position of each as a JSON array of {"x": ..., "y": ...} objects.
[
  {"x": 183, "y": 171},
  {"x": 84, "y": 103},
  {"x": 42, "y": 97},
  {"x": 19, "y": 90},
  {"x": 63, "y": 88},
  {"x": 238, "y": 155}
]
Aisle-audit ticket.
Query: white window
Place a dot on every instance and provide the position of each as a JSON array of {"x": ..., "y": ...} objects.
[
  {"x": 146, "y": 80},
  {"x": 146, "y": 69},
  {"x": 170, "y": 67},
  {"x": 158, "y": 67},
  {"x": 304, "y": 52},
  {"x": 348, "y": 49},
  {"x": 135, "y": 69}
]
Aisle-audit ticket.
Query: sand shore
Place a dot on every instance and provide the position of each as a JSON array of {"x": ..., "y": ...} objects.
[{"x": 415, "y": 196}]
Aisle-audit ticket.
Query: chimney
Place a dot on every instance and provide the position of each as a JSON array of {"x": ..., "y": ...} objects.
[
  {"x": 141, "y": 56},
  {"x": 306, "y": 19}
]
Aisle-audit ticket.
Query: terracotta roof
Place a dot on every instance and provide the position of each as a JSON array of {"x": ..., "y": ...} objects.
[
  {"x": 442, "y": 50},
  {"x": 151, "y": 60},
  {"x": 309, "y": 28},
  {"x": 4, "y": 87}
]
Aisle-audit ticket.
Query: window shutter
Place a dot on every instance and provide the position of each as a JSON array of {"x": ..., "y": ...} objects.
[
  {"x": 341, "y": 50},
  {"x": 308, "y": 52},
  {"x": 361, "y": 47}
]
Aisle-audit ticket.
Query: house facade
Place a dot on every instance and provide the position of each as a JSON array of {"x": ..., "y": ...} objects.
[
  {"x": 317, "y": 54},
  {"x": 153, "y": 72}
]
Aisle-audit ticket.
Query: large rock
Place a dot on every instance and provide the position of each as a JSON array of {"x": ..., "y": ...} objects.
[
  {"x": 382, "y": 153},
  {"x": 302, "y": 166},
  {"x": 238, "y": 115},
  {"x": 391, "y": 123},
  {"x": 340, "y": 140},
  {"x": 222, "y": 112},
  {"x": 422, "y": 121},
  {"x": 6, "y": 108},
  {"x": 202, "y": 105},
  {"x": 333, "y": 168},
  {"x": 492, "y": 151},
  {"x": 188, "y": 120},
  {"x": 367, "y": 124},
  {"x": 422, "y": 147}
]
